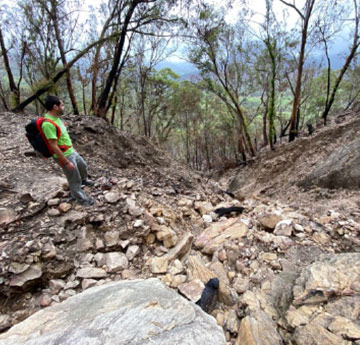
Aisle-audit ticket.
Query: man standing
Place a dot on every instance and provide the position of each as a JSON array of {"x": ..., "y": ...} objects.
[{"x": 73, "y": 165}]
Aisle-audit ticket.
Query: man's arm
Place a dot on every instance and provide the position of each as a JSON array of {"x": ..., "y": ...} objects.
[{"x": 64, "y": 161}]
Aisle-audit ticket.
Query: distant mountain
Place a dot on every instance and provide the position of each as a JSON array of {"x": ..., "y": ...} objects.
[
  {"x": 187, "y": 71},
  {"x": 184, "y": 69}
]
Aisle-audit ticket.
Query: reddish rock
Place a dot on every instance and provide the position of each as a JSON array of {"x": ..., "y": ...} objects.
[{"x": 64, "y": 207}]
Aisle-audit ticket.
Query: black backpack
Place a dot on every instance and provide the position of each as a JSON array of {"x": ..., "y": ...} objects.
[{"x": 37, "y": 137}]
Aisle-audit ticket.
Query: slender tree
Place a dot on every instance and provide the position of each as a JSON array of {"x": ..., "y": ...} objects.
[
  {"x": 61, "y": 21},
  {"x": 305, "y": 16},
  {"x": 104, "y": 98},
  {"x": 57, "y": 76},
  {"x": 148, "y": 53},
  {"x": 353, "y": 49},
  {"x": 221, "y": 55},
  {"x": 272, "y": 41},
  {"x": 114, "y": 10},
  {"x": 14, "y": 89}
]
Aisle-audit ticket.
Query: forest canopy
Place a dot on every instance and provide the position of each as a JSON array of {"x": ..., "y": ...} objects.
[{"x": 261, "y": 74}]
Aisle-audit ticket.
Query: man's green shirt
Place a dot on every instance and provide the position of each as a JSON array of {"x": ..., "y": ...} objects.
[{"x": 50, "y": 133}]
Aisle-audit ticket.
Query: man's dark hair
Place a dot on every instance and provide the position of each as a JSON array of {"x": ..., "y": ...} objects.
[{"x": 50, "y": 101}]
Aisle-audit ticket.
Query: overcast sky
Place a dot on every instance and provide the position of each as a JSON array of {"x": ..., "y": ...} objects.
[{"x": 257, "y": 6}]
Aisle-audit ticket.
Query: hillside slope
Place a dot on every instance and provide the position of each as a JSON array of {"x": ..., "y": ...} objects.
[
  {"x": 154, "y": 217},
  {"x": 278, "y": 174}
]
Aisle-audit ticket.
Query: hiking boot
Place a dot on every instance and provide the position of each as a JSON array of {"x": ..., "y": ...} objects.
[
  {"x": 87, "y": 183},
  {"x": 88, "y": 202},
  {"x": 70, "y": 199}
]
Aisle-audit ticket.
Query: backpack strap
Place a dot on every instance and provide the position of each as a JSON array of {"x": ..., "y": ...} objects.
[{"x": 39, "y": 123}]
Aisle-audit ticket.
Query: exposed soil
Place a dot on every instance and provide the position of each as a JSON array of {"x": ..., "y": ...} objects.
[
  {"x": 275, "y": 175},
  {"x": 140, "y": 189}
]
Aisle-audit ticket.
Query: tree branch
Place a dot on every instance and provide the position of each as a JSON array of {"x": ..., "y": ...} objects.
[
  {"x": 58, "y": 75},
  {"x": 294, "y": 7}
]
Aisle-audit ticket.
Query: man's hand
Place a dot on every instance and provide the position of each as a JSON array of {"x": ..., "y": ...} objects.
[
  {"x": 63, "y": 160},
  {"x": 68, "y": 165}
]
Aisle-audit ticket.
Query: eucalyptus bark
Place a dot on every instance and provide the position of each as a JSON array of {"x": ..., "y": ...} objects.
[
  {"x": 271, "y": 105},
  {"x": 122, "y": 111},
  {"x": 3, "y": 98},
  {"x": 264, "y": 129},
  {"x": 143, "y": 75},
  {"x": 84, "y": 99},
  {"x": 240, "y": 143},
  {"x": 113, "y": 115},
  {"x": 272, "y": 113}
]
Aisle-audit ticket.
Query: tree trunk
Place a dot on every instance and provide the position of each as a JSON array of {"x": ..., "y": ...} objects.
[
  {"x": 292, "y": 131},
  {"x": 271, "y": 108},
  {"x": 84, "y": 97},
  {"x": 265, "y": 116},
  {"x": 283, "y": 130},
  {"x": 187, "y": 131},
  {"x": 245, "y": 130},
  {"x": 122, "y": 106},
  {"x": 83, "y": 90},
  {"x": 13, "y": 88},
  {"x": 238, "y": 111},
  {"x": 114, "y": 111},
  {"x": 207, "y": 150},
  {"x": 241, "y": 147},
  {"x": 3, "y": 98},
  {"x": 143, "y": 115},
  {"x": 328, "y": 69},
  {"x": 54, "y": 16},
  {"x": 113, "y": 93},
  {"x": 103, "y": 99},
  {"x": 58, "y": 76},
  {"x": 95, "y": 69},
  {"x": 350, "y": 57},
  {"x": 298, "y": 120},
  {"x": 309, "y": 5},
  {"x": 351, "y": 100},
  {"x": 272, "y": 113}
]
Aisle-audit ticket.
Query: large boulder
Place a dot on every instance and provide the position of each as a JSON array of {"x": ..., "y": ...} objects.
[
  {"x": 127, "y": 312},
  {"x": 339, "y": 170},
  {"x": 318, "y": 304},
  {"x": 331, "y": 275},
  {"x": 326, "y": 305}
]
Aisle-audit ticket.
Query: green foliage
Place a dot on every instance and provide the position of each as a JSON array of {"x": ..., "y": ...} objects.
[
  {"x": 243, "y": 73},
  {"x": 38, "y": 85},
  {"x": 317, "y": 101},
  {"x": 166, "y": 76},
  {"x": 14, "y": 100},
  {"x": 204, "y": 14}
]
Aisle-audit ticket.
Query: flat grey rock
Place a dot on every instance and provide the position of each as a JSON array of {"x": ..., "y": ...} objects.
[{"x": 122, "y": 313}]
